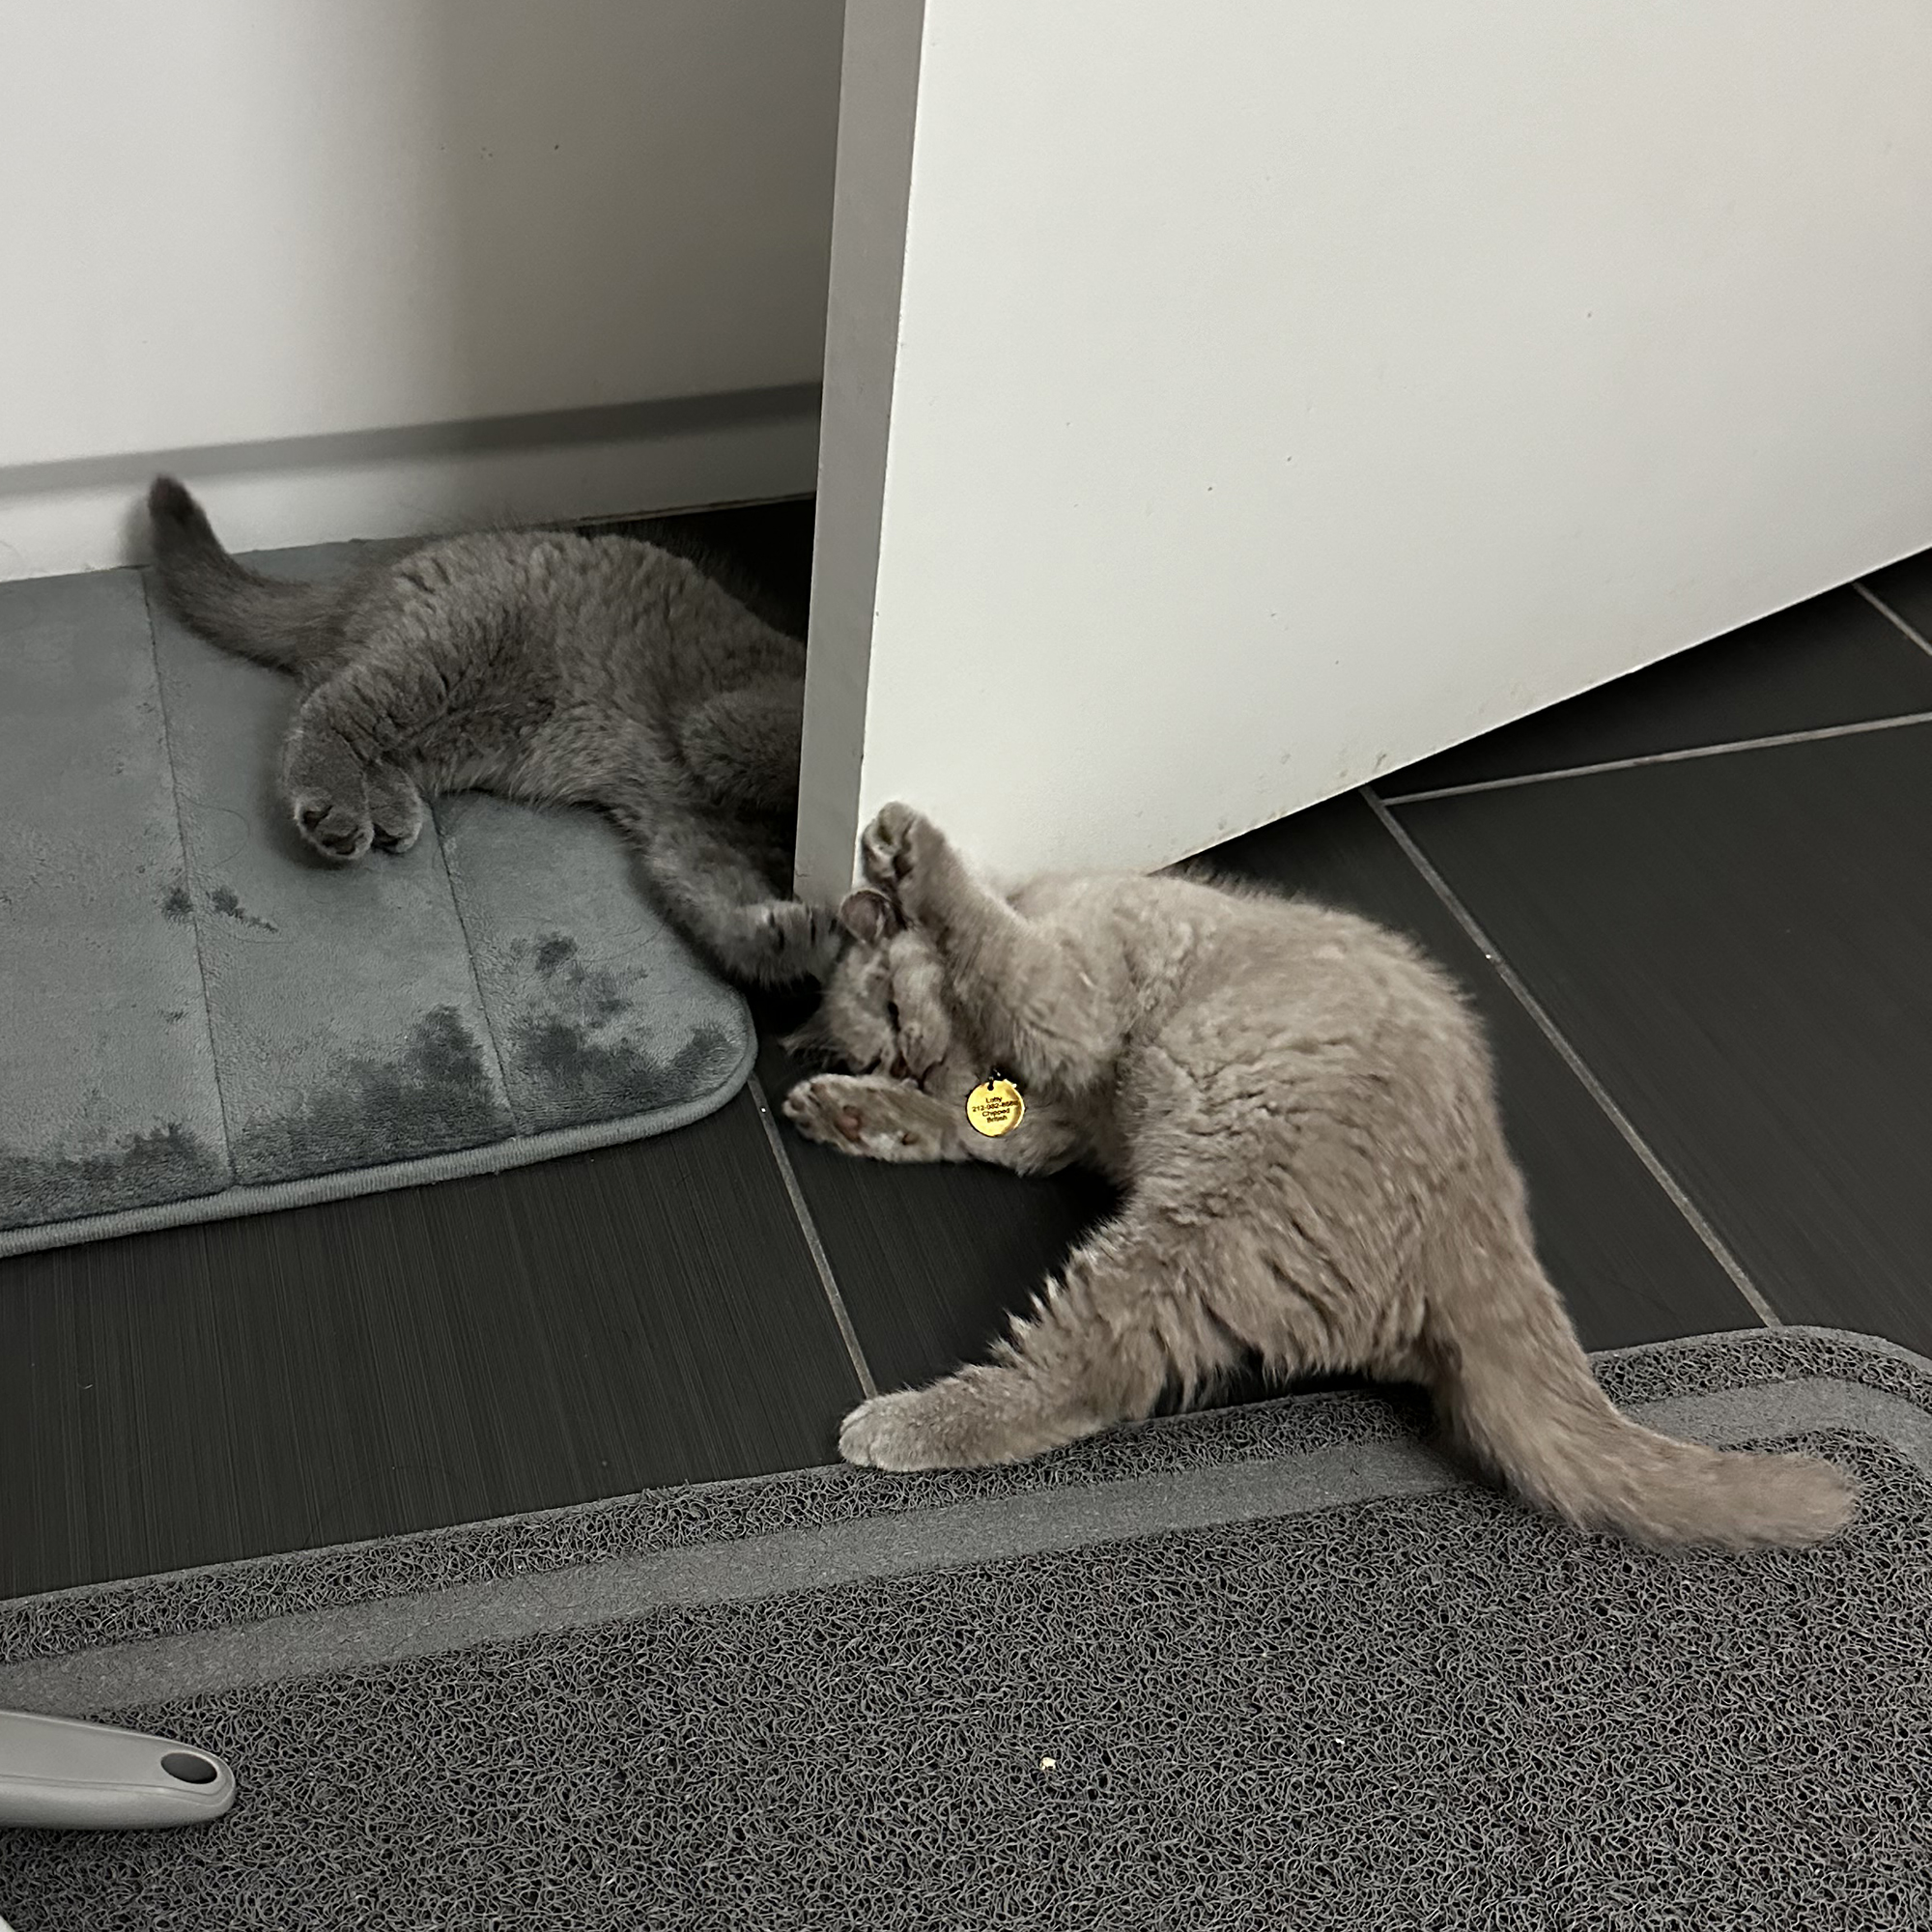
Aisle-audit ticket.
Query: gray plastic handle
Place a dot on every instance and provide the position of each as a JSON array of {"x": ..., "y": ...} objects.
[{"x": 63, "y": 1773}]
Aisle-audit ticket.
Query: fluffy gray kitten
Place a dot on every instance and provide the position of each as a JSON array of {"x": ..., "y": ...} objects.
[
  {"x": 551, "y": 668},
  {"x": 1300, "y": 1110}
]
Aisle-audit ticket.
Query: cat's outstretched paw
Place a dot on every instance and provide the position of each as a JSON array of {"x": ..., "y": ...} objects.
[
  {"x": 825, "y": 1109},
  {"x": 861, "y": 1114},
  {"x": 903, "y": 1431},
  {"x": 892, "y": 847},
  {"x": 799, "y": 941}
]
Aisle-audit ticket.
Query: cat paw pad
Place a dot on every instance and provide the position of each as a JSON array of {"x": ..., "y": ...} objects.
[
  {"x": 889, "y": 847},
  {"x": 395, "y": 810},
  {"x": 339, "y": 832},
  {"x": 824, "y": 1110},
  {"x": 860, "y": 1115},
  {"x": 389, "y": 838}
]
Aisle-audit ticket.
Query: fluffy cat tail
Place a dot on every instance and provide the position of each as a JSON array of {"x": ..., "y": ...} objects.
[
  {"x": 286, "y": 625},
  {"x": 1518, "y": 1390}
]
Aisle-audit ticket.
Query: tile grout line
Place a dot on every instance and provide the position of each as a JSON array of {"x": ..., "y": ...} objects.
[
  {"x": 820, "y": 1261},
  {"x": 1892, "y": 617},
  {"x": 1575, "y": 1063},
  {"x": 187, "y": 876},
  {"x": 1812, "y": 736}
]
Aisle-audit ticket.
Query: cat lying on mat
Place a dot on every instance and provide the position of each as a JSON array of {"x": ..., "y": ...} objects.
[
  {"x": 1300, "y": 1111},
  {"x": 552, "y": 668}
]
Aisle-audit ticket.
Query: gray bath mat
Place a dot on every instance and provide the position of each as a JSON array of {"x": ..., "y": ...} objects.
[
  {"x": 197, "y": 1020},
  {"x": 1272, "y": 1667}
]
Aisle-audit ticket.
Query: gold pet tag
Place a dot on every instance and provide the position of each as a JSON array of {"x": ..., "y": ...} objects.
[{"x": 995, "y": 1108}]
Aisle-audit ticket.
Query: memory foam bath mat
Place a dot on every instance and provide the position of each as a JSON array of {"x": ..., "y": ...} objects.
[
  {"x": 197, "y": 1019},
  {"x": 1272, "y": 1667}
]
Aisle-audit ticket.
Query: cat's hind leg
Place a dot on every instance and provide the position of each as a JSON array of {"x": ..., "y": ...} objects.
[
  {"x": 327, "y": 789},
  {"x": 742, "y": 745},
  {"x": 1100, "y": 1345},
  {"x": 396, "y": 808},
  {"x": 342, "y": 803}
]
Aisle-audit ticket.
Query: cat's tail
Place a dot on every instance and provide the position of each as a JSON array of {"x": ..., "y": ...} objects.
[
  {"x": 1516, "y": 1389},
  {"x": 286, "y": 625}
]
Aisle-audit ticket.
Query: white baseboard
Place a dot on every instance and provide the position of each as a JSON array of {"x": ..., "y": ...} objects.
[{"x": 637, "y": 458}]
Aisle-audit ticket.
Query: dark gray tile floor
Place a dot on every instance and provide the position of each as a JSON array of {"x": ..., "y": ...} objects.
[
  {"x": 1834, "y": 661},
  {"x": 1729, "y": 947},
  {"x": 1737, "y": 946},
  {"x": 931, "y": 1260},
  {"x": 641, "y": 1316},
  {"x": 1631, "y": 1267},
  {"x": 1905, "y": 592}
]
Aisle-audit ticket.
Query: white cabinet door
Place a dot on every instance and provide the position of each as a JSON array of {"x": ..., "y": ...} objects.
[{"x": 1228, "y": 403}]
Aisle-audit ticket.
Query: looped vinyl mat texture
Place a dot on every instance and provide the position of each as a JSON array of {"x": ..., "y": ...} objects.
[
  {"x": 1278, "y": 1666},
  {"x": 198, "y": 1021}
]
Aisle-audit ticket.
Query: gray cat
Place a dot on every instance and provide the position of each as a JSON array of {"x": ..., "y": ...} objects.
[
  {"x": 1300, "y": 1111},
  {"x": 552, "y": 668}
]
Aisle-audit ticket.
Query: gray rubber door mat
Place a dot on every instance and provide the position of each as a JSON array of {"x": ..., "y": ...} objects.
[
  {"x": 1272, "y": 1667},
  {"x": 197, "y": 1020}
]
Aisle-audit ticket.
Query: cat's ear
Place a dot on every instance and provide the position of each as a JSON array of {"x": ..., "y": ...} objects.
[{"x": 869, "y": 917}]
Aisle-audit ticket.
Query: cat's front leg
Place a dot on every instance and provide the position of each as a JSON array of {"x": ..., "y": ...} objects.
[
  {"x": 1040, "y": 1000},
  {"x": 912, "y": 862},
  {"x": 875, "y": 1119}
]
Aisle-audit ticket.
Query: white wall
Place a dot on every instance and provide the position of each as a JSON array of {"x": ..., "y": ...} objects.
[
  {"x": 1280, "y": 393},
  {"x": 301, "y": 250}
]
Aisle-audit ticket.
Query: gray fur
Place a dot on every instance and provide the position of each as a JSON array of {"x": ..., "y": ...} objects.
[
  {"x": 1300, "y": 1111},
  {"x": 551, "y": 668}
]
